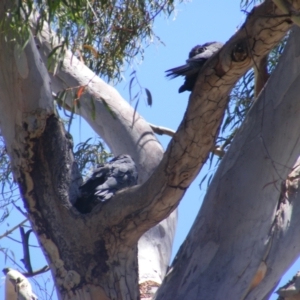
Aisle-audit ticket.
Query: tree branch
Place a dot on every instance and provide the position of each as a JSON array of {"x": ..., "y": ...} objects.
[
  {"x": 162, "y": 130},
  {"x": 189, "y": 148},
  {"x": 25, "y": 242},
  {"x": 246, "y": 227},
  {"x": 263, "y": 29},
  {"x": 195, "y": 138}
]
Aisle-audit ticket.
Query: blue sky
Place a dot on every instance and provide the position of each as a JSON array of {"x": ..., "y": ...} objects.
[{"x": 194, "y": 23}]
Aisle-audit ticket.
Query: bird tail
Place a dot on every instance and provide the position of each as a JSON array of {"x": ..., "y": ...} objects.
[{"x": 178, "y": 71}]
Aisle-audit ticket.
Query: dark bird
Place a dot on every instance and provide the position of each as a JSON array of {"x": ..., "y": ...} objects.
[
  {"x": 106, "y": 180},
  {"x": 197, "y": 58}
]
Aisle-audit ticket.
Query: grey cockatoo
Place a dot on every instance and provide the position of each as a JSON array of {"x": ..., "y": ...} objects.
[
  {"x": 197, "y": 58},
  {"x": 105, "y": 181}
]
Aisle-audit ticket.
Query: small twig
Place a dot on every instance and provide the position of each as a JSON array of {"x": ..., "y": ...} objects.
[
  {"x": 37, "y": 272},
  {"x": 26, "y": 260},
  {"x": 218, "y": 150},
  {"x": 19, "y": 209},
  {"x": 7, "y": 257},
  {"x": 14, "y": 228},
  {"x": 162, "y": 130},
  {"x": 20, "y": 242},
  {"x": 25, "y": 242}
]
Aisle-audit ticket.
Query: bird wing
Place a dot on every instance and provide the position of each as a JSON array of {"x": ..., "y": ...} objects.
[
  {"x": 195, "y": 62},
  {"x": 209, "y": 50},
  {"x": 178, "y": 71},
  {"x": 192, "y": 66},
  {"x": 197, "y": 58},
  {"x": 98, "y": 177},
  {"x": 106, "y": 180},
  {"x": 122, "y": 174}
]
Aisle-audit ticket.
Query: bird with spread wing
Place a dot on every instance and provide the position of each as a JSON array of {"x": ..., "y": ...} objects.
[{"x": 197, "y": 58}]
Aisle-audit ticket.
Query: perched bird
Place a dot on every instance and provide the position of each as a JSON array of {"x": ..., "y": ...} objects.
[
  {"x": 105, "y": 181},
  {"x": 197, "y": 58},
  {"x": 17, "y": 286}
]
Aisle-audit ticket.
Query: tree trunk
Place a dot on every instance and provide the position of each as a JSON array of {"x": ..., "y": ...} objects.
[{"x": 125, "y": 131}]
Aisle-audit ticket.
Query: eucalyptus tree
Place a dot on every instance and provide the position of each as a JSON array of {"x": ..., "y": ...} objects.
[{"x": 244, "y": 236}]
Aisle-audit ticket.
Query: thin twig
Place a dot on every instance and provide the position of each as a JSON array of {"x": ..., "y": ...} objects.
[
  {"x": 14, "y": 228},
  {"x": 162, "y": 130},
  {"x": 37, "y": 272},
  {"x": 19, "y": 209},
  {"x": 25, "y": 242}
]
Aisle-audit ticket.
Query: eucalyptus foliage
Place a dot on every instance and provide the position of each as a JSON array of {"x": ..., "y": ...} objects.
[{"x": 106, "y": 34}]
